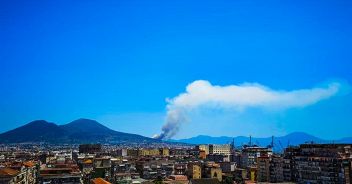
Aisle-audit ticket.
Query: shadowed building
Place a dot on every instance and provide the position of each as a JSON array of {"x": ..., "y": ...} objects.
[
  {"x": 90, "y": 148},
  {"x": 322, "y": 163}
]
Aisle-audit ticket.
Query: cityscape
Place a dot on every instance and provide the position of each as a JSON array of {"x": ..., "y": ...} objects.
[
  {"x": 62, "y": 154},
  {"x": 175, "y": 92}
]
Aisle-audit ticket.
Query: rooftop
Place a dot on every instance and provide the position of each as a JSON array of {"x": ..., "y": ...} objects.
[
  {"x": 205, "y": 181},
  {"x": 100, "y": 181},
  {"x": 8, "y": 172}
]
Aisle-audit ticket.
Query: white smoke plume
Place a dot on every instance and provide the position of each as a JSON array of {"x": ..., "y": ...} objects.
[{"x": 202, "y": 93}]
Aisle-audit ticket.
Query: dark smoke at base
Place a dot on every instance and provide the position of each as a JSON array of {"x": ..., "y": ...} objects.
[{"x": 174, "y": 119}]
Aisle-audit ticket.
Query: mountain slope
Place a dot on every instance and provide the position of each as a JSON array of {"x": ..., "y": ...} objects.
[
  {"x": 78, "y": 131},
  {"x": 35, "y": 131},
  {"x": 344, "y": 140},
  {"x": 86, "y": 126}
]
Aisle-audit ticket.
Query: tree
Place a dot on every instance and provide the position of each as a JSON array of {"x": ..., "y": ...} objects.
[
  {"x": 159, "y": 180},
  {"x": 227, "y": 180}
]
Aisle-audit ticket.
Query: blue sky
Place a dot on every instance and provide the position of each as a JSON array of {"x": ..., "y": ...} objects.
[{"x": 117, "y": 62}]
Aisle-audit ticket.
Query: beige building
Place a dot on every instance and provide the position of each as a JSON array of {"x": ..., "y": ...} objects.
[
  {"x": 149, "y": 152},
  {"x": 204, "y": 147},
  {"x": 216, "y": 172},
  {"x": 165, "y": 151},
  {"x": 196, "y": 172},
  {"x": 222, "y": 149}
]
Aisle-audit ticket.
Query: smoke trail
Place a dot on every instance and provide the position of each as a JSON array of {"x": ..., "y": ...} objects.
[
  {"x": 174, "y": 119},
  {"x": 201, "y": 93}
]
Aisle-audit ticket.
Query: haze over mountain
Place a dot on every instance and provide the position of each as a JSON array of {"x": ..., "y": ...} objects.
[
  {"x": 280, "y": 143},
  {"x": 78, "y": 131}
]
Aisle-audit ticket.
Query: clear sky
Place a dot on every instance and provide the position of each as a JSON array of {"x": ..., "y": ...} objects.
[{"x": 117, "y": 62}]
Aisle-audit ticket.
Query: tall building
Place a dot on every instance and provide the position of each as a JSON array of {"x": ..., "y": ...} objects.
[
  {"x": 322, "y": 163},
  {"x": 276, "y": 169},
  {"x": 270, "y": 169},
  {"x": 289, "y": 169},
  {"x": 263, "y": 169},
  {"x": 195, "y": 170}
]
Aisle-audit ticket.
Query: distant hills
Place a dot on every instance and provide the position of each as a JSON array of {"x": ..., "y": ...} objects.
[
  {"x": 90, "y": 131},
  {"x": 78, "y": 131},
  {"x": 280, "y": 143}
]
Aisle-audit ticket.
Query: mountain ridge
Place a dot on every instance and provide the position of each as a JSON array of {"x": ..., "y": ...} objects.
[
  {"x": 78, "y": 131},
  {"x": 280, "y": 142}
]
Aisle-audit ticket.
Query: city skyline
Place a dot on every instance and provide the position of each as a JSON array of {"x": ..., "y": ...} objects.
[{"x": 124, "y": 63}]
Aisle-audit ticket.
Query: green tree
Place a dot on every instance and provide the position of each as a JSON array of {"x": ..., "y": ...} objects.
[
  {"x": 159, "y": 180},
  {"x": 227, "y": 180}
]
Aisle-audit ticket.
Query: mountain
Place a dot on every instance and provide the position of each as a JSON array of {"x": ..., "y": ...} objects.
[
  {"x": 86, "y": 126},
  {"x": 280, "y": 143},
  {"x": 78, "y": 131},
  {"x": 344, "y": 140},
  {"x": 35, "y": 131}
]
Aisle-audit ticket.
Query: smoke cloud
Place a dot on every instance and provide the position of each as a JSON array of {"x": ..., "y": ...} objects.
[{"x": 202, "y": 93}]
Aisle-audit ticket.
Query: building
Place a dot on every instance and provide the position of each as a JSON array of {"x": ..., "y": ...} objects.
[
  {"x": 202, "y": 155},
  {"x": 216, "y": 172},
  {"x": 121, "y": 152},
  {"x": 227, "y": 167},
  {"x": 250, "y": 154},
  {"x": 252, "y": 171},
  {"x": 149, "y": 152},
  {"x": 11, "y": 176},
  {"x": 177, "y": 179},
  {"x": 60, "y": 175},
  {"x": 90, "y": 148},
  {"x": 132, "y": 152},
  {"x": 324, "y": 163},
  {"x": 205, "y": 148},
  {"x": 30, "y": 169},
  {"x": 263, "y": 169},
  {"x": 222, "y": 149},
  {"x": 180, "y": 168},
  {"x": 212, "y": 170},
  {"x": 19, "y": 172},
  {"x": 194, "y": 170},
  {"x": 276, "y": 169},
  {"x": 165, "y": 152},
  {"x": 102, "y": 168},
  {"x": 289, "y": 170},
  {"x": 215, "y": 157}
]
